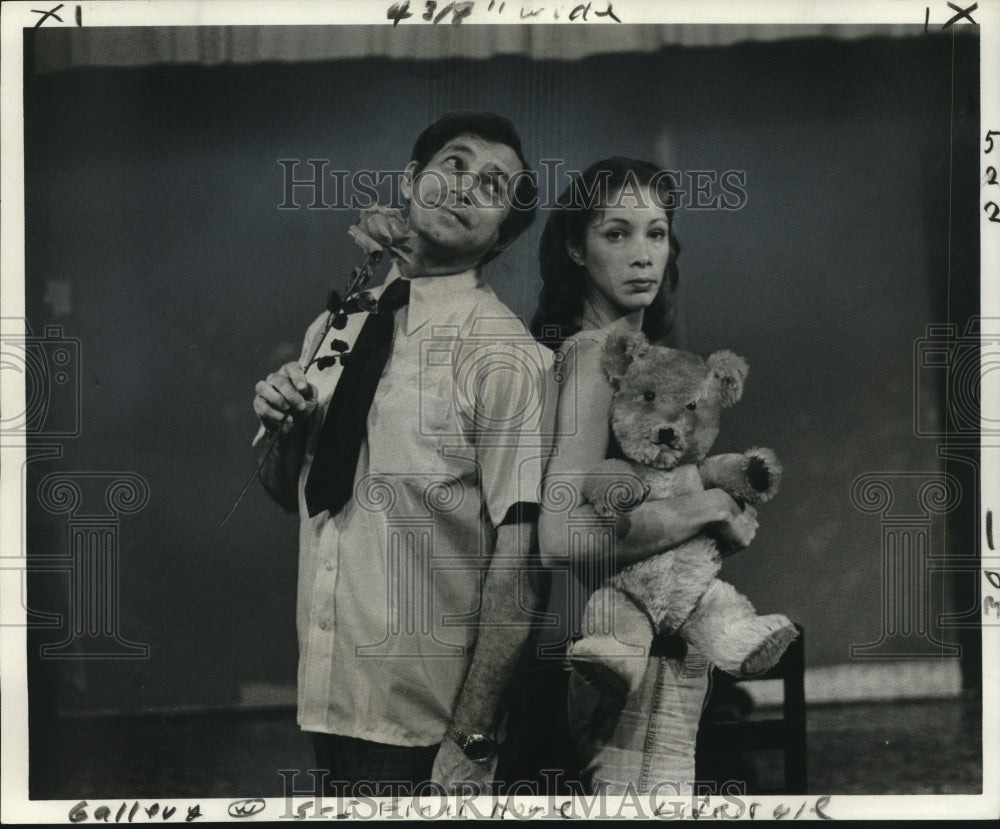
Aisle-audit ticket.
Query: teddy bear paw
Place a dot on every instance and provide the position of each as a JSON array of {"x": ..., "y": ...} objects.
[
  {"x": 763, "y": 473},
  {"x": 779, "y": 635}
]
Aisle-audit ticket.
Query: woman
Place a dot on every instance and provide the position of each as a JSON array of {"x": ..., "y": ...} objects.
[{"x": 609, "y": 262}]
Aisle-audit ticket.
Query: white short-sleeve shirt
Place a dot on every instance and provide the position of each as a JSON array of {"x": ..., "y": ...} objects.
[{"x": 389, "y": 589}]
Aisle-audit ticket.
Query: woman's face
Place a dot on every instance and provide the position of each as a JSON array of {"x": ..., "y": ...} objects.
[{"x": 625, "y": 251}]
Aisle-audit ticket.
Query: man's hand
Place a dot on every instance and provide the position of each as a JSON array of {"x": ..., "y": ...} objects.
[
  {"x": 457, "y": 774},
  {"x": 511, "y": 595},
  {"x": 286, "y": 391}
]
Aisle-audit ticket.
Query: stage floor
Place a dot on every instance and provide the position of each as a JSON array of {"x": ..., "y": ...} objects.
[{"x": 909, "y": 747}]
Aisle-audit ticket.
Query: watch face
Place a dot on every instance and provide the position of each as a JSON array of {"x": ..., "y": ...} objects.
[{"x": 479, "y": 749}]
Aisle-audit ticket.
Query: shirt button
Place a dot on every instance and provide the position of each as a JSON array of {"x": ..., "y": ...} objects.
[
  {"x": 326, "y": 624},
  {"x": 329, "y": 564}
]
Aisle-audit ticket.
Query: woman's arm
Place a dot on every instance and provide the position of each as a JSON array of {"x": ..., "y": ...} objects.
[{"x": 582, "y": 444}]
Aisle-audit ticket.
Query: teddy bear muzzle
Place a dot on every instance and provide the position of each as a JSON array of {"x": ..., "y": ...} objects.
[
  {"x": 669, "y": 444},
  {"x": 666, "y": 436}
]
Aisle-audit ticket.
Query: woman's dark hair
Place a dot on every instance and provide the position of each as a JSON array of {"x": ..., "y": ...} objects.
[
  {"x": 560, "y": 303},
  {"x": 499, "y": 130}
]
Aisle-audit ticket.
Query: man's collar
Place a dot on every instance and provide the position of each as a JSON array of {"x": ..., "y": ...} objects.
[{"x": 431, "y": 294}]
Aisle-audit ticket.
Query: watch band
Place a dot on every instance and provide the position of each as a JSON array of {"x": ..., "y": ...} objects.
[{"x": 479, "y": 748}]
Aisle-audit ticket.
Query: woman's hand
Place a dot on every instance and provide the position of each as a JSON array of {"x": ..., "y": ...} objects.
[{"x": 737, "y": 525}]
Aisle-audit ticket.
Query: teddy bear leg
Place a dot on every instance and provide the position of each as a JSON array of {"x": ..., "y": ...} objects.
[
  {"x": 726, "y": 628},
  {"x": 772, "y": 646},
  {"x": 613, "y": 652}
]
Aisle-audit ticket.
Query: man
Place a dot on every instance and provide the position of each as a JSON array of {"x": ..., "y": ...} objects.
[{"x": 405, "y": 649}]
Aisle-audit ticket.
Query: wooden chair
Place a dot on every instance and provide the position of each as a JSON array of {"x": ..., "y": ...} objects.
[{"x": 787, "y": 732}]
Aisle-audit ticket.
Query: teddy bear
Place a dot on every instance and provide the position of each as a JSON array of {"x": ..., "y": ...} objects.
[{"x": 665, "y": 419}]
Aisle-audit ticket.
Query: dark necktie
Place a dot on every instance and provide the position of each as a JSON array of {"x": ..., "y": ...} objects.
[{"x": 331, "y": 479}]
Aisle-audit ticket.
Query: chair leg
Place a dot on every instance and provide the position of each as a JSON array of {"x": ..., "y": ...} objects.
[{"x": 794, "y": 707}]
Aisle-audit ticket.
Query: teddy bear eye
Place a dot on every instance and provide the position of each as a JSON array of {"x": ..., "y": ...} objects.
[
  {"x": 649, "y": 396},
  {"x": 692, "y": 406}
]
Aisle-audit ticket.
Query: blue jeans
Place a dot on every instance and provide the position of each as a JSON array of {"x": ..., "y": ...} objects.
[
  {"x": 647, "y": 742},
  {"x": 392, "y": 770}
]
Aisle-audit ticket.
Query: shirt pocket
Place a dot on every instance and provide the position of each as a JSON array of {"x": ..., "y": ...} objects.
[{"x": 408, "y": 428}]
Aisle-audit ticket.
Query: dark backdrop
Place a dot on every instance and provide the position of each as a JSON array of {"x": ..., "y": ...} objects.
[{"x": 151, "y": 211}]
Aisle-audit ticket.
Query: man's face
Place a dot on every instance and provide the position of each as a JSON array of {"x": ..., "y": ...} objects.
[{"x": 460, "y": 199}]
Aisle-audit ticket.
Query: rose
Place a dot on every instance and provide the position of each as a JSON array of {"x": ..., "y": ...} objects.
[
  {"x": 379, "y": 229},
  {"x": 382, "y": 228}
]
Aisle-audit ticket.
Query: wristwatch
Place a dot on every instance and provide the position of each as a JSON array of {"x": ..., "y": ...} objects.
[{"x": 477, "y": 747}]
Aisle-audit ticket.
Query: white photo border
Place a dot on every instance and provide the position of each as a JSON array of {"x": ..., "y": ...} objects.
[{"x": 16, "y": 16}]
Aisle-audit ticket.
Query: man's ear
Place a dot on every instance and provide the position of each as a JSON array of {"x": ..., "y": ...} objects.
[{"x": 406, "y": 183}]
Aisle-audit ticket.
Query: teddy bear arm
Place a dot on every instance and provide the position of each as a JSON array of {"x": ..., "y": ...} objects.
[{"x": 753, "y": 476}]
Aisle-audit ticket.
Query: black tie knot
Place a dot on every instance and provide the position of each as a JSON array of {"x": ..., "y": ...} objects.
[{"x": 396, "y": 295}]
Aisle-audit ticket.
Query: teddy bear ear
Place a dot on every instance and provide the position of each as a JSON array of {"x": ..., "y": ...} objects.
[
  {"x": 620, "y": 351},
  {"x": 731, "y": 371}
]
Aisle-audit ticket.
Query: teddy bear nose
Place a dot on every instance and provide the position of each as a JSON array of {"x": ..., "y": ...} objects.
[{"x": 666, "y": 435}]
